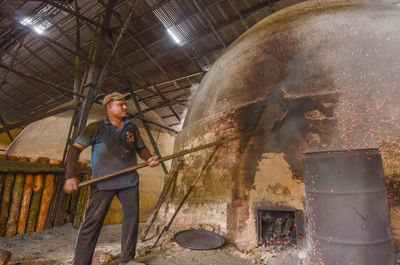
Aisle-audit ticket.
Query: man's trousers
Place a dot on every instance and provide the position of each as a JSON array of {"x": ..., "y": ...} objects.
[{"x": 89, "y": 231}]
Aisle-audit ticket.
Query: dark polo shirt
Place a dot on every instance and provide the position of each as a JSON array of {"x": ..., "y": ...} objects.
[{"x": 112, "y": 150}]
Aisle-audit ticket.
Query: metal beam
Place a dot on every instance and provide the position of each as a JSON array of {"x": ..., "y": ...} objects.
[
  {"x": 165, "y": 93},
  {"x": 140, "y": 89},
  {"x": 174, "y": 124},
  {"x": 36, "y": 72},
  {"x": 53, "y": 112},
  {"x": 57, "y": 72},
  {"x": 178, "y": 79},
  {"x": 185, "y": 61},
  {"x": 149, "y": 11},
  {"x": 33, "y": 99},
  {"x": 78, "y": 48},
  {"x": 114, "y": 49},
  {"x": 45, "y": 38},
  {"x": 196, "y": 38},
  {"x": 93, "y": 74},
  {"x": 202, "y": 35},
  {"x": 2, "y": 2},
  {"x": 19, "y": 105},
  {"x": 166, "y": 100},
  {"x": 152, "y": 122},
  {"x": 153, "y": 57},
  {"x": 124, "y": 80},
  {"x": 33, "y": 71},
  {"x": 128, "y": 84},
  {"x": 12, "y": 97},
  {"x": 75, "y": 99},
  {"x": 38, "y": 79},
  {"x": 132, "y": 35},
  {"x": 166, "y": 117},
  {"x": 199, "y": 7},
  {"x": 71, "y": 12},
  {"x": 45, "y": 46},
  {"x": 147, "y": 128},
  {"x": 244, "y": 22},
  {"x": 162, "y": 105},
  {"x": 3, "y": 81},
  {"x": 61, "y": 21}
]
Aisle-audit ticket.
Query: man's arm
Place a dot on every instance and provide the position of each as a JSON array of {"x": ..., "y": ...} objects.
[
  {"x": 71, "y": 176},
  {"x": 145, "y": 154}
]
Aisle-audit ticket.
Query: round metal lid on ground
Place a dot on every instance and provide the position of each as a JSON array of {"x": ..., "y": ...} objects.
[{"x": 199, "y": 239}]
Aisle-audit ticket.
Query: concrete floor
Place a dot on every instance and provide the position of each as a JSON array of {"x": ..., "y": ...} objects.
[{"x": 55, "y": 246}]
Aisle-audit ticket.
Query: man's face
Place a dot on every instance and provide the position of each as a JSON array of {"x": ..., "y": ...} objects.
[{"x": 117, "y": 109}]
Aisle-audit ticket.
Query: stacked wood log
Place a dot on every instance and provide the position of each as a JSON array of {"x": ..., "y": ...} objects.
[
  {"x": 46, "y": 199},
  {"x": 55, "y": 201},
  {"x": 79, "y": 200},
  {"x": 26, "y": 200},
  {"x": 16, "y": 197},
  {"x": 80, "y": 205},
  {"x": 5, "y": 202},
  {"x": 2, "y": 179},
  {"x": 35, "y": 203},
  {"x": 31, "y": 192}
]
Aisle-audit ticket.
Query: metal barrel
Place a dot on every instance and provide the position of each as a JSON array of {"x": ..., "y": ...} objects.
[{"x": 348, "y": 220}]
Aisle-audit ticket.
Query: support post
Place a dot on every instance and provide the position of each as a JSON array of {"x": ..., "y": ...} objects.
[
  {"x": 146, "y": 126},
  {"x": 5, "y": 125},
  {"x": 93, "y": 74}
]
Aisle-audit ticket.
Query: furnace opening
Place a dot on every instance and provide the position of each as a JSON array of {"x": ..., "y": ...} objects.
[{"x": 280, "y": 228}]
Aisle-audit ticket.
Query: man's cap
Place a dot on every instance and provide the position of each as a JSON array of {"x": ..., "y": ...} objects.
[{"x": 115, "y": 96}]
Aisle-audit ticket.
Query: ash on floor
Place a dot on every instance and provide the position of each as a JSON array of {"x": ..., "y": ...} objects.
[{"x": 56, "y": 247}]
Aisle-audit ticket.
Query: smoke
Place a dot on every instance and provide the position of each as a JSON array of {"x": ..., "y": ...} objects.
[
  {"x": 193, "y": 90},
  {"x": 389, "y": 2}
]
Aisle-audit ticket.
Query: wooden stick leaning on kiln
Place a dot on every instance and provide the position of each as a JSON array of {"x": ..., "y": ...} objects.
[
  {"x": 188, "y": 193},
  {"x": 168, "y": 183}
]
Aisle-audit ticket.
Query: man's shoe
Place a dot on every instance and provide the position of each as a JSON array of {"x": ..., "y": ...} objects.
[{"x": 132, "y": 262}]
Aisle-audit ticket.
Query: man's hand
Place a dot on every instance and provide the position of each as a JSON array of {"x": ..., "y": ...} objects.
[
  {"x": 153, "y": 161},
  {"x": 71, "y": 185}
]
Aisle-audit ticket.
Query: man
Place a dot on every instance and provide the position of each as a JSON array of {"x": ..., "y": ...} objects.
[{"x": 115, "y": 141}]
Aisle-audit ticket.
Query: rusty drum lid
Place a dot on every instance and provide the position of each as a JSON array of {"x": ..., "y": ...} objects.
[{"x": 198, "y": 239}]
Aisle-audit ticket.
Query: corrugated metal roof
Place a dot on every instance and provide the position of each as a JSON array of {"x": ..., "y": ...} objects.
[{"x": 204, "y": 27}]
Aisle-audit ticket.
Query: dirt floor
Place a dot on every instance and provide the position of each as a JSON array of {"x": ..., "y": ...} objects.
[{"x": 55, "y": 247}]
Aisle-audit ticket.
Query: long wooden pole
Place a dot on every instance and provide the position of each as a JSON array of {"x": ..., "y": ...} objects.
[
  {"x": 165, "y": 158},
  {"x": 168, "y": 183},
  {"x": 188, "y": 193}
]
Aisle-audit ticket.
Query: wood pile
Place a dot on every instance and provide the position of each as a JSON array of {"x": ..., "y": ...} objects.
[{"x": 31, "y": 195}]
